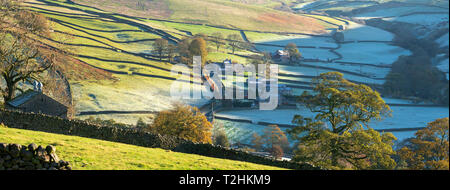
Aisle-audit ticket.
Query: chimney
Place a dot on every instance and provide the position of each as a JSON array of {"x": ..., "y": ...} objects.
[{"x": 37, "y": 86}]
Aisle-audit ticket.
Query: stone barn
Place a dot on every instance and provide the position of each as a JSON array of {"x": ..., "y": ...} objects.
[
  {"x": 281, "y": 56},
  {"x": 37, "y": 102}
]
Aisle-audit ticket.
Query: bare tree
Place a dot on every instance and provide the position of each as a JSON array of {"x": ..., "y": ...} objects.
[
  {"x": 218, "y": 39},
  {"x": 22, "y": 58},
  {"x": 160, "y": 47},
  {"x": 234, "y": 41},
  {"x": 171, "y": 50}
]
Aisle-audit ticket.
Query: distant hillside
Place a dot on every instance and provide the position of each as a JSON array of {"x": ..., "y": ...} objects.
[
  {"x": 92, "y": 154},
  {"x": 217, "y": 12}
]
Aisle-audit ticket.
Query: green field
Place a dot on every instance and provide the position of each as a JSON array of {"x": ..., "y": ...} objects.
[{"x": 91, "y": 154}]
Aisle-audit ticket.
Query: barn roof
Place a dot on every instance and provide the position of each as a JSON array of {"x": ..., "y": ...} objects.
[{"x": 23, "y": 98}]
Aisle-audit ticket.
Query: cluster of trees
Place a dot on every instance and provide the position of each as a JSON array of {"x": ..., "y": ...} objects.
[
  {"x": 233, "y": 41},
  {"x": 196, "y": 46},
  {"x": 162, "y": 48},
  {"x": 339, "y": 137},
  {"x": 338, "y": 36},
  {"x": 274, "y": 141},
  {"x": 414, "y": 75},
  {"x": 23, "y": 58},
  {"x": 185, "y": 49},
  {"x": 294, "y": 53},
  {"x": 428, "y": 149}
]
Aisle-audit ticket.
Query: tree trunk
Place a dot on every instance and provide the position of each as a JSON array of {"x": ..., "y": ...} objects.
[
  {"x": 334, "y": 153},
  {"x": 11, "y": 91}
]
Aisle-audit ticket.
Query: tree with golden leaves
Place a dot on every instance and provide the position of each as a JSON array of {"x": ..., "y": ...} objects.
[
  {"x": 275, "y": 141},
  {"x": 429, "y": 149},
  {"x": 339, "y": 135},
  {"x": 185, "y": 122},
  {"x": 257, "y": 142},
  {"x": 294, "y": 53},
  {"x": 198, "y": 48}
]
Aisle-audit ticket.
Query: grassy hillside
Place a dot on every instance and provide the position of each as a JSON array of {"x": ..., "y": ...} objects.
[
  {"x": 216, "y": 12},
  {"x": 91, "y": 154}
]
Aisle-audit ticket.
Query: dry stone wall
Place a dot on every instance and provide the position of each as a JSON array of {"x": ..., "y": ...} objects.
[{"x": 31, "y": 157}]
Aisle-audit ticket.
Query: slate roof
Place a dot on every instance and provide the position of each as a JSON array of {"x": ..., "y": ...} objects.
[{"x": 23, "y": 98}]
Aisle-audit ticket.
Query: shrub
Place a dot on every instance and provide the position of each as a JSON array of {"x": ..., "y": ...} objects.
[
  {"x": 141, "y": 125},
  {"x": 276, "y": 151},
  {"x": 220, "y": 137},
  {"x": 257, "y": 142}
]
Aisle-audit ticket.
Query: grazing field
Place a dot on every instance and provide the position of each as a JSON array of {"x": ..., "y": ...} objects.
[
  {"x": 43, "y": 5},
  {"x": 301, "y": 40},
  {"x": 193, "y": 29},
  {"x": 220, "y": 56},
  {"x": 329, "y": 20},
  {"x": 128, "y": 93},
  {"x": 358, "y": 32},
  {"x": 264, "y": 37},
  {"x": 92, "y": 154},
  {"x": 373, "y": 53},
  {"x": 398, "y": 10},
  {"x": 427, "y": 20},
  {"x": 311, "y": 71},
  {"x": 365, "y": 70},
  {"x": 325, "y": 5}
]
